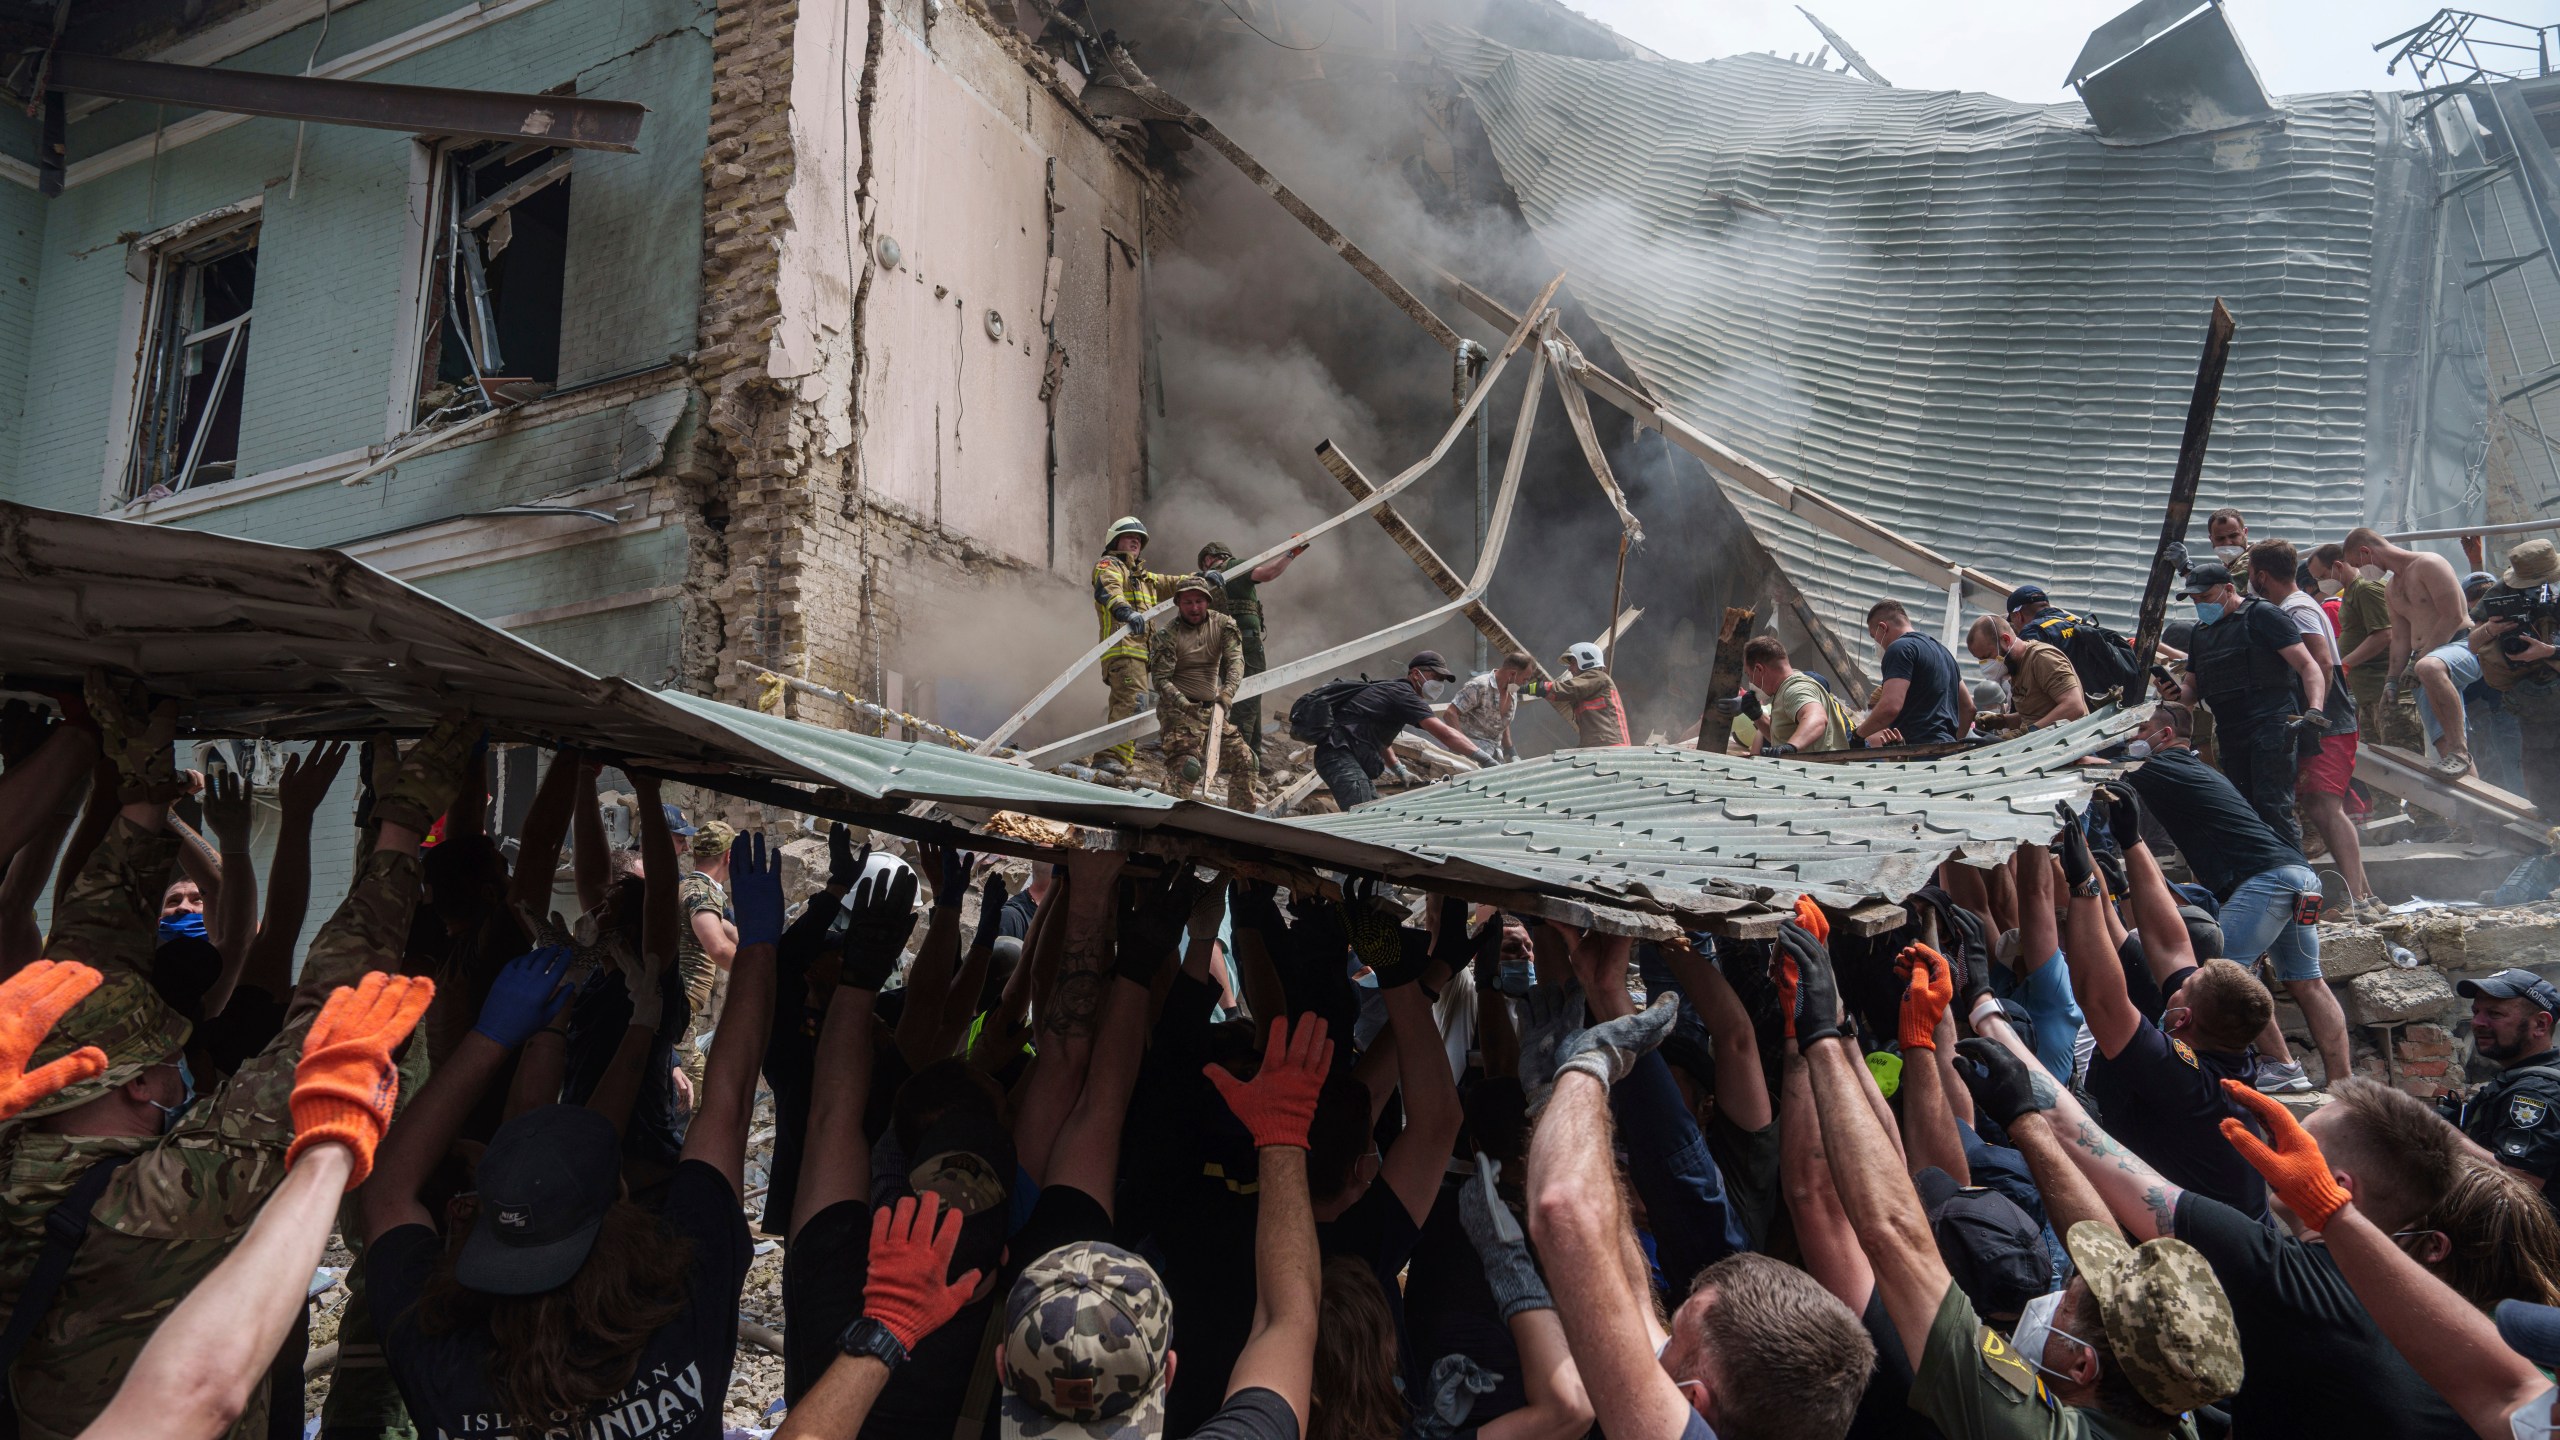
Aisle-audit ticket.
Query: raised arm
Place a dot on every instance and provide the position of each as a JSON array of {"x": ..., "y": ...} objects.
[
  {"x": 2021, "y": 1099},
  {"x": 2097, "y": 978},
  {"x": 929, "y": 979},
  {"x": 970, "y": 982},
  {"x": 1087, "y": 1152},
  {"x": 546, "y": 825},
  {"x": 590, "y": 853},
  {"x": 718, "y": 1132},
  {"x": 232, "y": 918},
  {"x": 909, "y": 1291},
  {"x": 1928, "y": 1125},
  {"x": 836, "y": 1160},
  {"x": 1558, "y": 1407},
  {"x": 1277, "y": 1106},
  {"x": 2139, "y": 1197},
  {"x": 1416, "y": 1159},
  {"x": 299, "y": 792},
  {"x": 1823, "y": 1233}
]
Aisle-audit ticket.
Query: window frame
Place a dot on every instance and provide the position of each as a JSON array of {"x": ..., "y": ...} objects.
[
  {"x": 149, "y": 263},
  {"x": 431, "y": 212}
]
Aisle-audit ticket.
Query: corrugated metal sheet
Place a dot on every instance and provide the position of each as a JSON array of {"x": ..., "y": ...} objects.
[
  {"x": 1974, "y": 322},
  {"x": 266, "y": 640},
  {"x": 1650, "y": 823}
]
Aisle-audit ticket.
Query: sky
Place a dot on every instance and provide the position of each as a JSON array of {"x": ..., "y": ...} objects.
[{"x": 2018, "y": 49}]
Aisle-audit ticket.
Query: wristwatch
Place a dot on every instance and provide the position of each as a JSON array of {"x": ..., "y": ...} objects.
[{"x": 866, "y": 1336}]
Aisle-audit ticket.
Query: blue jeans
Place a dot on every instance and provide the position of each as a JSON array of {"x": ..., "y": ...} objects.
[
  {"x": 2258, "y": 920},
  {"x": 1693, "y": 1223}
]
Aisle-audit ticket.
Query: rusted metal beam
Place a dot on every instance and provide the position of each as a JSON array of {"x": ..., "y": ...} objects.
[
  {"x": 2182, "y": 488},
  {"x": 1425, "y": 559},
  {"x": 568, "y": 120}
]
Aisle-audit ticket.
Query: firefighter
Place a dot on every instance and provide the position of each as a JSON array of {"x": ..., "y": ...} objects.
[
  {"x": 1123, "y": 591},
  {"x": 1589, "y": 695},
  {"x": 1197, "y": 664}
]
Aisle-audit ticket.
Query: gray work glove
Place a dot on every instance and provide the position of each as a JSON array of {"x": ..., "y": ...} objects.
[
  {"x": 1608, "y": 1050},
  {"x": 1508, "y": 1270}
]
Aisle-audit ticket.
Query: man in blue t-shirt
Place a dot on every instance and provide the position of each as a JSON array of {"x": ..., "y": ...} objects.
[{"x": 1923, "y": 699}]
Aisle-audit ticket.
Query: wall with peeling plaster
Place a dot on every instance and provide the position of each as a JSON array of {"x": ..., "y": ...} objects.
[{"x": 336, "y": 245}]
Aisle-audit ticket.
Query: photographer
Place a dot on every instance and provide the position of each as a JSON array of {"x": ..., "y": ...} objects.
[{"x": 2513, "y": 642}]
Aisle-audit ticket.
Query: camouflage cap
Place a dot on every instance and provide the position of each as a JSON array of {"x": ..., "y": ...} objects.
[
  {"x": 1193, "y": 582},
  {"x": 2166, "y": 1316},
  {"x": 1087, "y": 1330},
  {"x": 711, "y": 840},
  {"x": 126, "y": 1018}
]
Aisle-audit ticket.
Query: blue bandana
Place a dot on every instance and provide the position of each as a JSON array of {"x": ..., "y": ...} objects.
[{"x": 185, "y": 925}]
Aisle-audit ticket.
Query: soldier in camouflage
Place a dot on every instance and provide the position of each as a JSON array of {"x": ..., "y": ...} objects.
[
  {"x": 193, "y": 1172},
  {"x": 708, "y": 941},
  {"x": 1198, "y": 662},
  {"x": 1238, "y": 596}
]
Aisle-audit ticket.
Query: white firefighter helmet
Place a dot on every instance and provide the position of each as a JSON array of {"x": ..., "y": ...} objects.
[{"x": 1585, "y": 656}]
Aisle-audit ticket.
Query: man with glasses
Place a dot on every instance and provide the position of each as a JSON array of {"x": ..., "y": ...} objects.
[{"x": 2516, "y": 1116}]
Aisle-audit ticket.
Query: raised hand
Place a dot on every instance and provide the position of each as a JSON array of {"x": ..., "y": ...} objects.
[
  {"x": 1928, "y": 988},
  {"x": 527, "y": 994},
  {"x": 1608, "y": 1050},
  {"x": 423, "y": 779},
  {"x": 755, "y": 889},
  {"x": 1508, "y": 1270},
  {"x": 2002, "y": 1085},
  {"x": 879, "y": 917},
  {"x": 1152, "y": 913},
  {"x": 307, "y": 777},
  {"x": 30, "y": 1002},
  {"x": 1279, "y": 1102},
  {"x": 991, "y": 900},
  {"x": 844, "y": 866},
  {"x": 347, "y": 1082},
  {"x": 1806, "y": 987},
  {"x": 2124, "y": 813},
  {"x": 2295, "y": 1168},
  {"x": 908, "y": 1288},
  {"x": 229, "y": 808},
  {"x": 136, "y": 735},
  {"x": 2079, "y": 869}
]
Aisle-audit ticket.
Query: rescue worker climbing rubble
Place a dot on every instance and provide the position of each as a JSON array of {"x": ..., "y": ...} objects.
[
  {"x": 1238, "y": 597},
  {"x": 1588, "y": 695},
  {"x": 1123, "y": 591},
  {"x": 1198, "y": 662}
]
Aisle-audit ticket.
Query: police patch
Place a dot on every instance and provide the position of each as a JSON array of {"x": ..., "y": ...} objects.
[
  {"x": 2185, "y": 1053},
  {"x": 2524, "y": 1112}
]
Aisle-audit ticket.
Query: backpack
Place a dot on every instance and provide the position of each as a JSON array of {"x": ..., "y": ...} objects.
[
  {"x": 2101, "y": 658},
  {"x": 1311, "y": 714}
]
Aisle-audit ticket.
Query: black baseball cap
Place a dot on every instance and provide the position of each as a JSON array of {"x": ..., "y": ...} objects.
[
  {"x": 1993, "y": 1251},
  {"x": 2026, "y": 595},
  {"x": 546, "y": 1181},
  {"x": 2204, "y": 577},
  {"x": 1430, "y": 663},
  {"x": 2513, "y": 985}
]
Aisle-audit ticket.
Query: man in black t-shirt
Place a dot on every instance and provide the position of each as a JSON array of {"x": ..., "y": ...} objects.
[
  {"x": 2248, "y": 662},
  {"x": 1921, "y": 698},
  {"x": 1367, "y": 720}
]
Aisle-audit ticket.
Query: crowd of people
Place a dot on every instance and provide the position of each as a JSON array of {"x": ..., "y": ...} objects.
[{"x": 1137, "y": 1149}]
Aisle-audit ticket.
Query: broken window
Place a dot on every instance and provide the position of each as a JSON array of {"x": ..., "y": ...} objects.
[
  {"x": 195, "y": 346},
  {"x": 496, "y": 257}
]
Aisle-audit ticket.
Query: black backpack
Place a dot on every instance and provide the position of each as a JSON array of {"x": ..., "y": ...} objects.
[
  {"x": 2101, "y": 658},
  {"x": 1311, "y": 714}
]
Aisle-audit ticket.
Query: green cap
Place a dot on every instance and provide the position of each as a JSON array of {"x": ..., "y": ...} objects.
[
  {"x": 126, "y": 1018},
  {"x": 2167, "y": 1320},
  {"x": 711, "y": 840}
]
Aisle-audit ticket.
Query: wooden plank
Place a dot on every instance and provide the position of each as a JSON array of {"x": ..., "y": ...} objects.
[
  {"x": 1724, "y": 680},
  {"x": 1875, "y": 917},
  {"x": 1425, "y": 559},
  {"x": 2182, "y": 485}
]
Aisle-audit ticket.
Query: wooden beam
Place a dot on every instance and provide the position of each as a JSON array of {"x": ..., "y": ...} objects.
[
  {"x": 2182, "y": 488},
  {"x": 1724, "y": 680}
]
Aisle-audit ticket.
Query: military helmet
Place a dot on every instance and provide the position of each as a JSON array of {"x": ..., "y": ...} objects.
[
  {"x": 1125, "y": 525},
  {"x": 1193, "y": 582}
]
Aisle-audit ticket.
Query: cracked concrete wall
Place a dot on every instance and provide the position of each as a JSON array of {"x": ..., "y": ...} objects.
[{"x": 922, "y": 346}]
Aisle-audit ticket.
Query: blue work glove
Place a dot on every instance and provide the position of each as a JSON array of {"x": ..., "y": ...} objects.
[
  {"x": 755, "y": 890},
  {"x": 525, "y": 996}
]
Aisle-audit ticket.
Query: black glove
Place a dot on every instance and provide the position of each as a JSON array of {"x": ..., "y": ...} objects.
[
  {"x": 882, "y": 913},
  {"x": 951, "y": 886},
  {"x": 2072, "y": 847},
  {"x": 1857, "y": 741},
  {"x": 1152, "y": 913},
  {"x": 2124, "y": 813},
  {"x": 1451, "y": 946},
  {"x": 1486, "y": 956},
  {"x": 990, "y": 914},
  {"x": 843, "y": 865},
  {"x": 1785, "y": 748},
  {"x": 2002, "y": 1085},
  {"x": 1255, "y": 905},
  {"x": 2309, "y": 720},
  {"x": 1817, "y": 1012},
  {"x": 1398, "y": 956}
]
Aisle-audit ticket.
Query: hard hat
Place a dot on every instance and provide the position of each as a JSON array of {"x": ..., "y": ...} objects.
[
  {"x": 1585, "y": 656},
  {"x": 883, "y": 864},
  {"x": 1192, "y": 582},
  {"x": 1125, "y": 525}
]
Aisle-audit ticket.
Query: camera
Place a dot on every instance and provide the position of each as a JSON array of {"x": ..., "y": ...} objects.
[{"x": 2531, "y": 609}]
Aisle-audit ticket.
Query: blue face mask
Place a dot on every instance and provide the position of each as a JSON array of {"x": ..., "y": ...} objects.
[
  {"x": 185, "y": 925},
  {"x": 170, "y": 1114},
  {"x": 2207, "y": 612}
]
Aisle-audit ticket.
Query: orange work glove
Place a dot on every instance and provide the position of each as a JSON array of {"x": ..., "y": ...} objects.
[
  {"x": 344, "y": 1088},
  {"x": 908, "y": 1288},
  {"x": 1927, "y": 990},
  {"x": 30, "y": 1001},
  {"x": 2295, "y": 1168},
  {"x": 1810, "y": 916},
  {"x": 1279, "y": 1102}
]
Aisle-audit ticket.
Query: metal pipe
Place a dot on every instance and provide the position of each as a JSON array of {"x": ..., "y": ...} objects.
[{"x": 2520, "y": 527}]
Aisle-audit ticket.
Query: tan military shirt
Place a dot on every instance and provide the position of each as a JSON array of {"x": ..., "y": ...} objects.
[
  {"x": 2041, "y": 681},
  {"x": 1198, "y": 662}
]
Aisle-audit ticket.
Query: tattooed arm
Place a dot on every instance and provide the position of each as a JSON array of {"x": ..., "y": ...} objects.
[{"x": 2143, "y": 1202}]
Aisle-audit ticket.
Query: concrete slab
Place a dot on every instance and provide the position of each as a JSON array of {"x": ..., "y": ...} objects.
[{"x": 2438, "y": 871}]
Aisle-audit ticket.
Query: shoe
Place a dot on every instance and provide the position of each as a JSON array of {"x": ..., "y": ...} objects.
[{"x": 2274, "y": 1079}]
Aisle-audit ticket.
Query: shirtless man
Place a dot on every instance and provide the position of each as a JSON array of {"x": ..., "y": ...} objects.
[{"x": 2427, "y": 611}]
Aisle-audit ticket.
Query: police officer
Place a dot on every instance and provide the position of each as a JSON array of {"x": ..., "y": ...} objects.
[
  {"x": 1237, "y": 595},
  {"x": 2512, "y": 1116},
  {"x": 1123, "y": 591},
  {"x": 2249, "y": 663}
]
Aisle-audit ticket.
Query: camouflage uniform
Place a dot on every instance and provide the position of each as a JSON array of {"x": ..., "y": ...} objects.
[
  {"x": 1240, "y": 600},
  {"x": 697, "y": 894},
  {"x": 1087, "y": 1331},
  {"x": 1195, "y": 666},
  {"x": 1120, "y": 580},
  {"x": 169, "y": 1217}
]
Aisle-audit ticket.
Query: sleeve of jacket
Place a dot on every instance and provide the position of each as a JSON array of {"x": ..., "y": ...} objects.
[
  {"x": 1161, "y": 661},
  {"x": 1230, "y": 659},
  {"x": 1110, "y": 582}
]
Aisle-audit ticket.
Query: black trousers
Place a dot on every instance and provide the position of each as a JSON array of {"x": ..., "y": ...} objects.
[
  {"x": 2261, "y": 765},
  {"x": 1345, "y": 776}
]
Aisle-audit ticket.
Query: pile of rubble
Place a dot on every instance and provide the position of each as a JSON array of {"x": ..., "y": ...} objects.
[{"x": 2405, "y": 1025}]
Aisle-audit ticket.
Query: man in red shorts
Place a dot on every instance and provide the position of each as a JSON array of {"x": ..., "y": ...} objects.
[{"x": 2320, "y": 785}]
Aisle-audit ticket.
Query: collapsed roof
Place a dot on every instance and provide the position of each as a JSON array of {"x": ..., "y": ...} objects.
[
  {"x": 270, "y": 641},
  {"x": 1976, "y": 322}
]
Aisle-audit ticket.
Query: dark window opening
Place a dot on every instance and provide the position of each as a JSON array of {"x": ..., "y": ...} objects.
[
  {"x": 194, "y": 354},
  {"x": 495, "y": 273}
]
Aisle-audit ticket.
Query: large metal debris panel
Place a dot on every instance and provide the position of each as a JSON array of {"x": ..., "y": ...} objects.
[
  {"x": 1649, "y": 823},
  {"x": 1975, "y": 322}
]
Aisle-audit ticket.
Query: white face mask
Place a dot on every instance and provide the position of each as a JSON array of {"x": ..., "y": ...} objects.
[
  {"x": 2229, "y": 555},
  {"x": 1434, "y": 689},
  {"x": 2035, "y": 1326},
  {"x": 1995, "y": 668},
  {"x": 2370, "y": 572},
  {"x": 2532, "y": 1419},
  {"x": 2332, "y": 586},
  {"x": 2138, "y": 750}
]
